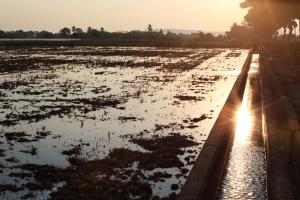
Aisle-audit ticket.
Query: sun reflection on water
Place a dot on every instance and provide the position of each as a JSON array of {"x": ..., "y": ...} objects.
[
  {"x": 245, "y": 174},
  {"x": 245, "y": 117},
  {"x": 244, "y": 122}
]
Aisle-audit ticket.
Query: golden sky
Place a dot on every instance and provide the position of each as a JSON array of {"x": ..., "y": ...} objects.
[{"x": 115, "y": 15}]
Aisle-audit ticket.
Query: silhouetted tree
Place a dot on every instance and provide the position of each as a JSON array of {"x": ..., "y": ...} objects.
[
  {"x": 240, "y": 32},
  {"x": 65, "y": 32},
  {"x": 44, "y": 34},
  {"x": 77, "y": 32},
  {"x": 88, "y": 29},
  {"x": 150, "y": 29},
  {"x": 161, "y": 32},
  {"x": 3, "y": 34},
  {"x": 148, "y": 37},
  {"x": 92, "y": 33},
  {"x": 73, "y": 29},
  {"x": 268, "y": 16}
]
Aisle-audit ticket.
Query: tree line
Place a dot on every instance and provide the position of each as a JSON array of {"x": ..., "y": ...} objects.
[
  {"x": 236, "y": 31},
  {"x": 269, "y": 17}
]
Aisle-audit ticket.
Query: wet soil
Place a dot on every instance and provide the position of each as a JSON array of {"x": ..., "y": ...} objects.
[
  {"x": 111, "y": 123},
  {"x": 109, "y": 178}
]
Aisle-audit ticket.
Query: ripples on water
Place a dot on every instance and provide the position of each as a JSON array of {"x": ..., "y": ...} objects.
[
  {"x": 150, "y": 95},
  {"x": 245, "y": 175}
]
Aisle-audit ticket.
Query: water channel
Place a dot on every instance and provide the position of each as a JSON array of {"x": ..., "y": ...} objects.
[{"x": 245, "y": 173}]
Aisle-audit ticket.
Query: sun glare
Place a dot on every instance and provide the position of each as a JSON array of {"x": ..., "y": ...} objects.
[
  {"x": 244, "y": 122},
  {"x": 244, "y": 114}
]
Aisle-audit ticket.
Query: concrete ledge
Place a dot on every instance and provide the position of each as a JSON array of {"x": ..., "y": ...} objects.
[
  {"x": 205, "y": 177},
  {"x": 282, "y": 137}
]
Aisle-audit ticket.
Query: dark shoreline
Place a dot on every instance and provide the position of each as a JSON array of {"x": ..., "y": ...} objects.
[{"x": 129, "y": 43}]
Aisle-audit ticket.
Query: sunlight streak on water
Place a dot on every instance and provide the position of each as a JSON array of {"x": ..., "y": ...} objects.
[
  {"x": 245, "y": 174},
  {"x": 244, "y": 122},
  {"x": 245, "y": 118}
]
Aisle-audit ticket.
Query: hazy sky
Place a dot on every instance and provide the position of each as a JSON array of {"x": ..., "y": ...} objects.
[{"x": 115, "y": 15}]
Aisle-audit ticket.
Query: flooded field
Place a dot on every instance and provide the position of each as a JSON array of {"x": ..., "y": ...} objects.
[{"x": 109, "y": 123}]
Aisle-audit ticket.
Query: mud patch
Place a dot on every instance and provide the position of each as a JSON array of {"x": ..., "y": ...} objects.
[
  {"x": 188, "y": 98},
  {"x": 75, "y": 110},
  {"x": 112, "y": 177},
  {"x": 9, "y": 187}
]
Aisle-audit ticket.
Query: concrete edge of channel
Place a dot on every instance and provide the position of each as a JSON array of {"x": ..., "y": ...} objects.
[
  {"x": 283, "y": 155},
  {"x": 205, "y": 177}
]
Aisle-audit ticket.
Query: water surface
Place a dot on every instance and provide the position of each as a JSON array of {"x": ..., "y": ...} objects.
[
  {"x": 245, "y": 174},
  {"x": 99, "y": 98}
]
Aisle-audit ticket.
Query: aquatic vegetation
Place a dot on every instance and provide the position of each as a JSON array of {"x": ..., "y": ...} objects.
[{"x": 107, "y": 121}]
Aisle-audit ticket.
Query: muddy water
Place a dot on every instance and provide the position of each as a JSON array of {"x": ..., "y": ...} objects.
[
  {"x": 62, "y": 103},
  {"x": 245, "y": 175}
]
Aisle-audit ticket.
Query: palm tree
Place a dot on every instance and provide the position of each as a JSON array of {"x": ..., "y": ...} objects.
[{"x": 268, "y": 16}]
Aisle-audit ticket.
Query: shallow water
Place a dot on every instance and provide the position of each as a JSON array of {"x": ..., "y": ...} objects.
[
  {"x": 143, "y": 92},
  {"x": 245, "y": 174}
]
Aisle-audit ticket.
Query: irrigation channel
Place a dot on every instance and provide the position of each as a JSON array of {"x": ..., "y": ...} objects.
[{"x": 245, "y": 173}]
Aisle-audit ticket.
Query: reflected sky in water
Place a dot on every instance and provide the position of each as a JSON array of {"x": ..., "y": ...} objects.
[{"x": 143, "y": 84}]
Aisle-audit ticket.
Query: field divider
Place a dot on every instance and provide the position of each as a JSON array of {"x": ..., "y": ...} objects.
[{"x": 205, "y": 177}]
